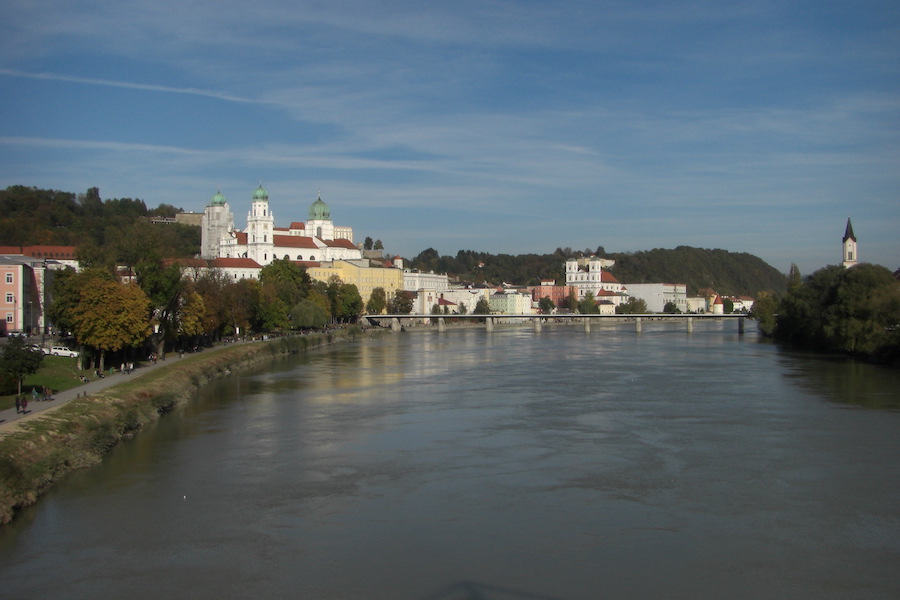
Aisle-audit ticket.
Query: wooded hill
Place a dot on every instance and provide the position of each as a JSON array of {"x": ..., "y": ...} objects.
[
  {"x": 729, "y": 273},
  {"x": 104, "y": 231},
  {"x": 117, "y": 231}
]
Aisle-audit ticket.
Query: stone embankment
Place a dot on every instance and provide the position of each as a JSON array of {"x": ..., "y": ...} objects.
[{"x": 37, "y": 452}]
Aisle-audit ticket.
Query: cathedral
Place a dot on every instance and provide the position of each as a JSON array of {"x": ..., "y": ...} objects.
[{"x": 316, "y": 240}]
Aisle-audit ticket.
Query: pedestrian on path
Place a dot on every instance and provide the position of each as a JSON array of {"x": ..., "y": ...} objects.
[
  {"x": 18, "y": 404},
  {"x": 24, "y": 404}
]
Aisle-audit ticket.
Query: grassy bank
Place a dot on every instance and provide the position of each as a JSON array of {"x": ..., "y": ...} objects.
[{"x": 81, "y": 432}]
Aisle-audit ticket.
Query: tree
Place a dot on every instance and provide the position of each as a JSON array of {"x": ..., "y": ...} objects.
[
  {"x": 65, "y": 291},
  {"x": 367, "y": 244},
  {"x": 571, "y": 302},
  {"x": 290, "y": 280},
  {"x": 482, "y": 307},
  {"x": 111, "y": 316},
  {"x": 631, "y": 307},
  {"x": 163, "y": 287},
  {"x": 764, "y": 312},
  {"x": 378, "y": 245},
  {"x": 377, "y": 301},
  {"x": 18, "y": 360},
  {"x": 588, "y": 305},
  {"x": 672, "y": 309},
  {"x": 402, "y": 303},
  {"x": 307, "y": 314},
  {"x": 854, "y": 310},
  {"x": 546, "y": 305}
]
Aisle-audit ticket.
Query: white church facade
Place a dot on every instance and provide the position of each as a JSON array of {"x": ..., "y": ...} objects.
[{"x": 316, "y": 240}]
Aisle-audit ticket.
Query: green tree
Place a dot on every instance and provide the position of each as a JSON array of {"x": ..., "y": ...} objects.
[
  {"x": 18, "y": 360},
  {"x": 588, "y": 305},
  {"x": 632, "y": 306},
  {"x": 763, "y": 312},
  {"x": 546, "y": 305},
  {"x": 377, "y": 301},
  {"x": 856, "y": 311},
  {"x": 482, "y": 307},
  {"x": 378, "y": 245},
  {"x": 290, "y": 281},
  {"x": 65, "y": 292},
  {"x": 367, "y": 244},
  {"x": 307, "y": 314},
  {"x": 671, "y": 308},
  {"x": 401, "y": 303}
]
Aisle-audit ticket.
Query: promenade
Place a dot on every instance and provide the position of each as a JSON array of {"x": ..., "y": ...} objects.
[{"x": 9, "y": 420}]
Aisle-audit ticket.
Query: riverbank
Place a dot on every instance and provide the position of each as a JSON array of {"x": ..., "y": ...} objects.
[{"x": 38, "y": 451}]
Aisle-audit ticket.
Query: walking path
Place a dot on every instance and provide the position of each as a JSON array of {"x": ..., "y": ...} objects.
[{"x": 9, "y": 419}]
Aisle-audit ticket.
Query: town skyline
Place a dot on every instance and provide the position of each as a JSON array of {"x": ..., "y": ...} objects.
[{"x": 495, "y": 127}]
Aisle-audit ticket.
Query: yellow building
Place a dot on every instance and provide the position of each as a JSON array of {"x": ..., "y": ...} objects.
[{"x": 360, "y": 274}]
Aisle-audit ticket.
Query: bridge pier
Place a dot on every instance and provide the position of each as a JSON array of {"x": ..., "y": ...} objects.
[
  {"x": 587, "y": 324},
  {"x": 395, "y": 324},
  {"x": 741, "y": 325},
  {"x": 537, "y": 325},
  {"x": 489, "y": 324},
  {"x": 637, "y": 324},
  {"x": 442, "y": 327},
  {"x": 690, "y": 324}
]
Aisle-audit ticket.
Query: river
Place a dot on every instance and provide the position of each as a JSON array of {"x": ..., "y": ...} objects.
[{"x": 560, "y": 465}]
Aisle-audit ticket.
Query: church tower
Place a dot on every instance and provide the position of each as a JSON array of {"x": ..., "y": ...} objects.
[
  {"x": 260, "y": 228},
  {"x": 217, "y": 221},
  {"x": 849, "y": 251},
  {"x": 320, "y": 224}
]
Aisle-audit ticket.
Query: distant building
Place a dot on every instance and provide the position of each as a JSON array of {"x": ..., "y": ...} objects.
[
  {"x": 595, "y": 280},
  {"x": 850, "y": 253},
  {"x": 359, "y": 273},
  {"x": 657, "y": 295},
  {"x": 317, "y": 240}
]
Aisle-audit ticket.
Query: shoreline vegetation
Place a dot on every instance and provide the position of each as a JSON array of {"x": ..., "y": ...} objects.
[{"x": 42, "y": 451}]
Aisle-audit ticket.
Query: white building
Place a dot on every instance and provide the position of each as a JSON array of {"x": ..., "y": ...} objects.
[
  {"x": 595, "y": 280},
  {"x": 510, "y": 303},
  {"x": 414, "y": 281},
  {"x": 657, "y": 295},
  {"x": 316, "y": 240}
]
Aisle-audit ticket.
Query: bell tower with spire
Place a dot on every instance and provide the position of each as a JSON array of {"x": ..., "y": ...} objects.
[
  {"x": 260, "y": 228},
  {"x": 849, "y": 246}
]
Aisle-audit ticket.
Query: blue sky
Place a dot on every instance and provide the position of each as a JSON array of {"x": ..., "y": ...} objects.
[{"x": 511, "y": 126}]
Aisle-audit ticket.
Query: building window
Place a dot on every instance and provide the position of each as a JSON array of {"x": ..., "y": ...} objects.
[
  {"x": 9, "y": 317},
  {"x": 10, "y": 298},
  {"x": 9, "y": 278}
]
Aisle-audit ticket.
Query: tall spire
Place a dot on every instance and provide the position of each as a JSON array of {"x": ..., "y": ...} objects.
[{"x": 848, "y": 233}]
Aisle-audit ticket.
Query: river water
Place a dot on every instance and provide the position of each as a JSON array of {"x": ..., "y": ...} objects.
[{"x": 473, "y": 466}]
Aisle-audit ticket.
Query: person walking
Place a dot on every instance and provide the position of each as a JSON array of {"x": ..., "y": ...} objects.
[
  {"x": 24, "y": 404},
  {"x": 18, "y": 404}
]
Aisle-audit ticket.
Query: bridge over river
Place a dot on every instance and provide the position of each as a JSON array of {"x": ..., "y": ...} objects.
[{"x": 396, "y": 322}]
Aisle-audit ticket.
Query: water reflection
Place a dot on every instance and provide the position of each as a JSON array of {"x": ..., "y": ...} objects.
[
  {"x": 425, "y": 466},
  {"x": 843, "y": 380}
]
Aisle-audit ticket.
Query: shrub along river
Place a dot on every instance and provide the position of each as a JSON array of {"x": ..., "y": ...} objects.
[{"x": 551, "y": 466}]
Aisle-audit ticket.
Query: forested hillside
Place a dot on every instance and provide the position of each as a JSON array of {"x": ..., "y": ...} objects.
[
  {"x": 104, "y": 231},
  {"x": 726, "y": 272},
  {"x": 729, "y": 273}
]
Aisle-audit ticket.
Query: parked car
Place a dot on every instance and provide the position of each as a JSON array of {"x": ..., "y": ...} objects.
[{"x": 61, "y": 351}]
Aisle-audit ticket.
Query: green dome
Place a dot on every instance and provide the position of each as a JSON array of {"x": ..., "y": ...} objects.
[
  {"x": 218, "y": 199},
  {"x": 261, "y": 194},
  {"x": 319, "y": 211}
]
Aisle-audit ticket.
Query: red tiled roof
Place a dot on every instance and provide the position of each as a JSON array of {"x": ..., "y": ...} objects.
[
  {"x": 294, "y": 241},
  {"x": 235, "y": 263},
  {"x": 298, "y": 225},
  {"x": 52, "y": 252},
  {"x": 342, "y": 243}
]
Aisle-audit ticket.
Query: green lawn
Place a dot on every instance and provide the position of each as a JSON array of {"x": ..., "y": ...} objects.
[{"x": 57, "y": 372}]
